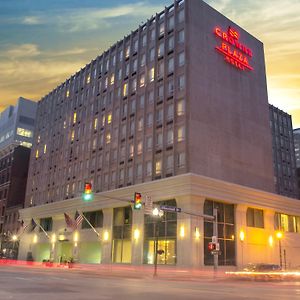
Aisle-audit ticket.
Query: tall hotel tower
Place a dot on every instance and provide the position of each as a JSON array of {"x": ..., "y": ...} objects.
[{"x": 178, "y": 111}]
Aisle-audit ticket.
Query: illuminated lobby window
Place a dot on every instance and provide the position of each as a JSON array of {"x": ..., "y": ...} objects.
[
  {"x": 287, "y": 223},
  {"x": 255, "y": 217},
  {"x": 165, "y": 229},
  {"x": 122, "y": 226}
]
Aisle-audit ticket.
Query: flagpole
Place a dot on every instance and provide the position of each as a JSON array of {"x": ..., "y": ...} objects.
[
  {"x": 47, "y": 235},
  {"x": 90, "y": 225},
  {"x": 23, "y": 231}
]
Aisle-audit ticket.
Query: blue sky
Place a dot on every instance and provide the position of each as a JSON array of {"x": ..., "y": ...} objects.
[{"x": 43, "y": 42}]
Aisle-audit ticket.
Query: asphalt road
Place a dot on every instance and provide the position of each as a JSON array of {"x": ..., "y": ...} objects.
[{"x": 64, "y": 284}]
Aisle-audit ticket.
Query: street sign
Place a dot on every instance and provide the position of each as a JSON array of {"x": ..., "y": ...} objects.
[
  {"x": 170, "y": 208},
  {"x": 214, "y": 239},
  {"x": 148, "y": 205}
]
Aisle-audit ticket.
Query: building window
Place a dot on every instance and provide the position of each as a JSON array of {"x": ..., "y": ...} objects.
[
  {"x": 149, "y": 168},
  {"x": 143, "y": 59},
  {"x": 226, "y": 233},
  {"x": 139, "y": 147},
  {"x": 142, "y": 80},
  {"x": 74, "y": 117},
  {"x": 149, "y": 119},
  {"x": 181, "y": 83},
  {"x": 46, "y": 224},
  {"x": 180, "y": 134},
  {"x": 170, "y": 136},
  {"x": 181, "y": 59},
  {"x": 170, "y": 163},
  {"x": 165, "y": 230},
  {"x": 109, "y": 118},
  {"x": 158, "y": 167},
  {"x": 112, "y": 79},
  {"x": 181, "y": 36},
  {"x": 149, "y": 143},
  {"x": 171, "y": 65},
  {"x": 181, "y": 160},
  {"x": 171, "y": 43},
  {"x": 180, "y": 16},
  {"x": 255, "y": 217},
  {"x": 151, "y": 75},
  {"x": 94, "y": 217},
  {"x": 122, "y": 227},
  {"x": 161, "y": 48},
  {"x": 152, "y": 54},
  {"x": 180, "y": 108},
  {"x": 287, "y": 223},
  {"x": 171, "y": 23},
  {"x": 140, "y": 123},
  {"x": 125, "y": 90},
  {"x": 24, "y": 132}
]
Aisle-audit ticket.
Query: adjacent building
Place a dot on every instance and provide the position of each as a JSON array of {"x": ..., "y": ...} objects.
[
  {"x": 284, "y": 159},
  {"x": 177, "y": 111},
  {"x": 17, "y": 123},
  {"x": 16, "y": 136}
]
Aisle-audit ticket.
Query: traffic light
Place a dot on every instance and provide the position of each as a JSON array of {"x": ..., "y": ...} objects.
[
  {"x": 211, "y": 246},
  {"x": 137, "y": 201},
  {"x": 87, "y": 194}
]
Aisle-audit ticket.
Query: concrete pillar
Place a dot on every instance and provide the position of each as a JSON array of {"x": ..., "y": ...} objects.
[
  {"x": 241, "y": 237},
  {"x": 137, "y": 239},
  {"x": 190, "y": 244},
  {"x": 107, "y": 236}
]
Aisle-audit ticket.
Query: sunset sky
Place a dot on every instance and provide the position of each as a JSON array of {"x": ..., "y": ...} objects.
[{"x": 44, "y": 42}]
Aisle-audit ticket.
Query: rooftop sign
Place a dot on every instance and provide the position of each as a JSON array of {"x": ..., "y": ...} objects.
[{"x": 235, "y": 53}]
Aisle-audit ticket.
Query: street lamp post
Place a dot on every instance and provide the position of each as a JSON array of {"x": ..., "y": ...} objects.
[{"x": 156, "y": 213}]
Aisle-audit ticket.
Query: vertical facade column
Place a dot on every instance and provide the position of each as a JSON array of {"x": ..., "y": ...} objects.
[
  {"x": 190, "y": 232},
  {"x": 241, "y": 237},
  {"x": 137, "y": 239},
  {"x": 107, "y": 235},
  {"x": 272, "y": 242}
]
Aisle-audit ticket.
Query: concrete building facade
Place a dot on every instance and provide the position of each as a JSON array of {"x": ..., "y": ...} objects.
[
  {"x": 178, "y": 111},
  {"x": 284, "y": 158}
]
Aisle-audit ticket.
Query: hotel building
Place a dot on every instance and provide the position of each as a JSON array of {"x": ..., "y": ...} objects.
[{"x": 178, "y": 111}]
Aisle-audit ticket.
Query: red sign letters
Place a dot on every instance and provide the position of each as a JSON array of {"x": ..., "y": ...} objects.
[{"x": 235, "y": 53}]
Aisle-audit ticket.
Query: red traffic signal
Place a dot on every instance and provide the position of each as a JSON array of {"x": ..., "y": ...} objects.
[
  {"x": 87, "y": 194},
  {"x": 137, "y": 201},
  {"x": 211, "y": 246},
  {"x": 87, "y": 188}
]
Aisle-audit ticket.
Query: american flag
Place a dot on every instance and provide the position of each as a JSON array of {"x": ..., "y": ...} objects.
[
  {"x": 73, "y": 223},
  {"x": 70, "y": 222},
  {"x": 78, "y": 218}
]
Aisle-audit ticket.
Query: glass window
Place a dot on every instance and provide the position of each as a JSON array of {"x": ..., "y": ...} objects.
[
  {"x": 180, "y": 134},
  {"x": 46, "y": 224},
  {"x": 122, "y": 227},
  {"x": 152, "y": 53},
  {"x": 181, "y": 83},
  {"x": 171, "y": 43},
  {"x": 158, "y": 167},
  {"x": 24, "y": 132},
  {"x": 255, "y": 217},
  {"x": 151, "y": 74},
  {"x": 181, "y": 59},
  {"x": 226, "y": 230},
  {"x": 171, "y": 65},
  {"x": 149, "y": 168},
  {"x": 180, "y": 108},
  {"x": 165, "y": 229},
  {"x": 94, "y": 217},
  {"x": 181, "y": 36}
]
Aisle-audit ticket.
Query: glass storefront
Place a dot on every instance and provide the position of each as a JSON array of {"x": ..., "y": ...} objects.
[
  {"x": 122, "y": 226},
  {"x": 163, "y": 229},
  {"x": 226, "y": 233}
]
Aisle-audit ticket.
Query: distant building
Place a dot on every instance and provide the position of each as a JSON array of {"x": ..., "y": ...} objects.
[
  {"x": 17, "y": 124},
  {"x": 284, "y": 160},
  {"x": 16, "y": 135},
  {"x": 297, "y": 146},
  {"x": 297, "y": 152}
]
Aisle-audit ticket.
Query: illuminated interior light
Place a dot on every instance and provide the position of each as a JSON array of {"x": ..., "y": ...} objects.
[
  {"x": 76, "y": 237},
  {"x": 53, "y": 238},
  {"x": 105, "y": 235},
  {"x": 35, "y": 239},
  {"x": 14, "y": 238},
  {"x": 271, "y": 241},
  {"x": 197, "y": 233},
  {"x": 182, "y": 233},
  {"x": 136, "y": 234},
  {"x": 242, "y": 235}
]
